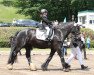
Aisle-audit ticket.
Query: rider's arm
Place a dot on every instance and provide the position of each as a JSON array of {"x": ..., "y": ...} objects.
[{"x": 46, "y": 20}]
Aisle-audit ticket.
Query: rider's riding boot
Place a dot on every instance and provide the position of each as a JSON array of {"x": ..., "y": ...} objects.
[
  {"x": 48, "y": 39},
  {"x": 84, "y": 67}
]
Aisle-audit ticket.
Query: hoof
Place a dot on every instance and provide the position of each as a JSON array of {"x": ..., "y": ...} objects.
[
  {"x": 44, "y": 68},
  {"x": 85, "y": 58},
  {"x": 66, "y": 70},
  {"x": 32, "y": 67},
  {"x": 10, "y": 67}
]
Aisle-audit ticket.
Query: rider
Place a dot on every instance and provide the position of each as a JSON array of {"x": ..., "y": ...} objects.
[{"x": 45, "y": 22}]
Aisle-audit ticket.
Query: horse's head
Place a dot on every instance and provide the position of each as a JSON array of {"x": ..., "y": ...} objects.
[
  {"x": 76, "y": 35},
  {"x": 76, "y": 29}
]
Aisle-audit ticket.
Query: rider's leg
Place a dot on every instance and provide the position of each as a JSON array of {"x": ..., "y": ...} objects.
[{"x": 49, "y": 32}]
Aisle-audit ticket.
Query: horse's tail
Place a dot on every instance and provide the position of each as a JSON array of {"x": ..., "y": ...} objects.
[
  {"x": 12, "y": 38},
  {"x": 16, "y": 33}
]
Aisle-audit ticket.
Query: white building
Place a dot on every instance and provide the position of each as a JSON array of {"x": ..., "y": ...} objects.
[{"x": 86, "y": 18}]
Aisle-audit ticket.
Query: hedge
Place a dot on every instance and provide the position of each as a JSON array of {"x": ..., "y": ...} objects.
[
  {"x": 88, "y": 32},
  {"x": 7, "y": 32},
  {"x": 4, "y": 44},
  {"x": 92, "y": 44}
]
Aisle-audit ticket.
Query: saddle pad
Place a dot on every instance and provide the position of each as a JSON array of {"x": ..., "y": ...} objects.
[
  {"x": 43, "y": 34},
  {"x": 40, "y": 34}
]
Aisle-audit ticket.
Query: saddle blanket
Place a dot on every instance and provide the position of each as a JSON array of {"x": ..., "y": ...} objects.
[{"x": 43, "y": 34}]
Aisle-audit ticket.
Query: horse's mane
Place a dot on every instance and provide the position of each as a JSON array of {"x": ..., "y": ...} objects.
[{"x": 21, "y": 30}]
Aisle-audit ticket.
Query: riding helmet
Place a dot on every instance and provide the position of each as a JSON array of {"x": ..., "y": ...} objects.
[{"x": 44, "y": 11}]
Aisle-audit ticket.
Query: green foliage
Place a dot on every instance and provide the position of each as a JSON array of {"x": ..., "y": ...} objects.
[
  {"x": 92, "y": 44},
  {"x": 7, "y": 2},
  {"x": 6, "y": 33},
  {"x": 58, "y": 9},
  {"x": 30, "y": 7},
  {"x": 8, "y": 13},
  {"x": 88, "y": 32},
  {"x": 4, "y": 44}
]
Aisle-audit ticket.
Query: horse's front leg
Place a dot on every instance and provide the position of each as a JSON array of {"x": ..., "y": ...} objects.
[
  {"x": 61, "y": 55},
  {"x": 45, "y": 65},
  {"x": 28, "y": 56}
]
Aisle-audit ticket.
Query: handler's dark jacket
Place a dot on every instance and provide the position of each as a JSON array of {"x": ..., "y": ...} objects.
[
  {"x": 75, "y": 41},
  {"x": 46, "y": 22}
]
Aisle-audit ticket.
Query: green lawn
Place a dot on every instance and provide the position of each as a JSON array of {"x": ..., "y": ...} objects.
[{"x": 8, "y": 13}]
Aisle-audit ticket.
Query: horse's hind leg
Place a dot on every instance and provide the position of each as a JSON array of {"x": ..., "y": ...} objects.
[
  {"x": 12, "y": 57},
  {"x": 28, "y": 56},
  {"x": 45, "y": 65}
]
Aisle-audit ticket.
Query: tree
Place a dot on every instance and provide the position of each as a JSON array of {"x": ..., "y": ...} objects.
[{"x": 58, "y": 9}]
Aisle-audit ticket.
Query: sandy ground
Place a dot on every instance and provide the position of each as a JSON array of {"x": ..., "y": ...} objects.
[{"x": 38, "y": 57}]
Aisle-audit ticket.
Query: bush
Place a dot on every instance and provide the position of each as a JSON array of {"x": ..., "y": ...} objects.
[
  {"x": 4, "y": 44},
  {"x": 6, "y": 33},
  {"x": 92, "y": 44},
  {"x": 7, "y": 3},
  {"x": 88, "y": 32}
]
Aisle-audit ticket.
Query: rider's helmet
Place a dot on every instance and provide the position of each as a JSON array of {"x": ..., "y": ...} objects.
[{"x": 43, "y": 11}]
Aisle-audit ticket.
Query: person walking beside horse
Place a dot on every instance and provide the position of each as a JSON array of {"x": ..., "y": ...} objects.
[{"x": 75, "y": 51}]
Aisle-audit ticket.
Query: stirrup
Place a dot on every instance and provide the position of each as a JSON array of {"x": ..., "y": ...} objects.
[{"x": 48, "y": 39}]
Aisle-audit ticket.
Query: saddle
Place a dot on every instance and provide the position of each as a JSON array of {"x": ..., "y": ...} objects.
[{"x": 44, "y": 34}]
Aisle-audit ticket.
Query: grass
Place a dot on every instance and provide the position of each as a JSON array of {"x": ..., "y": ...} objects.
[{"x": 8, "y": 13}]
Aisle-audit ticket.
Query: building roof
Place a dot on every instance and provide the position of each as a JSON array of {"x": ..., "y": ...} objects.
[{"x": 87, "y": 11}]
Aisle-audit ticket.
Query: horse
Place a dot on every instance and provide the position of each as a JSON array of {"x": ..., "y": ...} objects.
[{"x": 27, "y": 39}]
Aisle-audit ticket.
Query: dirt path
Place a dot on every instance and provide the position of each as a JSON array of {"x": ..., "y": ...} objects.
[{"x": 54, "y": 68}]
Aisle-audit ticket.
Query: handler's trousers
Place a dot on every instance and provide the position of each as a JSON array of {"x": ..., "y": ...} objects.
[{"x": 74, "y": 52}]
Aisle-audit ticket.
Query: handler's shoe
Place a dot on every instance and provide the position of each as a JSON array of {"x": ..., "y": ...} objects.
[
  {"x": 83, "y": 67},
  {"x": 66, "y": 67}
]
